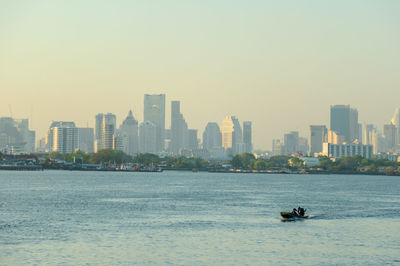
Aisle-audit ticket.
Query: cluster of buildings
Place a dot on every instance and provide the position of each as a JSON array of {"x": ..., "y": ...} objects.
[
  {"x": 15, "y": 136},
  {"x": 345, "y": 137},
  {"x": 151, "y": 136}
]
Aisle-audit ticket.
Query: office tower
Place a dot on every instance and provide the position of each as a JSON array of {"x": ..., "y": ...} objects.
[
  {"x": 154, "y": 111},
  {"x": 128, "y": 132},
  {"x": 193, "y": 141},
  {"x": 368, "y": 134},
  {"x": 212, "y": 137},
  {"x": 389, "y": 131},
  {"x": 62, "y": 137},
  {"x": 179, "y": 129},
  {"x": 105, "y": 130},
  {"x": 396, "y": 122},
  {"x": 318, "y": 134},
  {"x": 147, "y": 137},
  {"x": 232, "y": 137},
  {"x": 335, "y": 138},
  {"x": 86, "y": 139},
  {"x": 247, "y": 136},
  {"x": 291, "y": 142},
  {"x": 277, "y": 147},
  {"x": 354, "y": 126},
  {"x": 340, "y": 121}
]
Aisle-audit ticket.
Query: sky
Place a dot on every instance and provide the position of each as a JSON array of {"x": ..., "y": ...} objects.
[{"x": 279, "y": 64}]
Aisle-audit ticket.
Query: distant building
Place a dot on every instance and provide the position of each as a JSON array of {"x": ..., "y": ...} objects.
[
  {"x": 318, "y": 135},
  {"x": 212, "y": 137},
  {"x": 86, "y": 139},
  {"x": 15, "y": 136},
  {"x": 193, "y": 141},
  {"x": 128, "y": 133},
  {"x": 291, "y": 143},
  {"x": 62, "y": 137},
  {"x": 369, "y": 134},
  {"x": 247, "y": 137},
  {"x": 303, "y": 146},
  {"x": 390, "y": 132},
  {"x": 335, "y": 138},
  {"x": 396, "y": 122},
  {"x": 147, "y": 137},
  {"x": 105, "y": 130},
  {"x": 346, "y": 150},
  {"x": 154, "y": 111},
  {"x": 179, "y": 130},
  {"x": 344, "y": 121},
  {"x": 232, "y": 137},
  {"x": 277, "y": 147}
]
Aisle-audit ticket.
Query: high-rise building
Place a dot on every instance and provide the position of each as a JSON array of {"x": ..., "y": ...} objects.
[
  {"x": 354, "y": 126},
  {"x": 291, "y": 142},
  {"x": 340, "y": 121},
  {"x": 389, "y": 131},
  {"x": 104, "y": 131},
  {"x": 86, "y": 139},
  {"x": 396, "y": 122},
  {"x": 277, "y": 147},
  {"x": 147, "y": 137},
  {"x": 247, "y": 137},
  {"x": 212, "y": 137},
  {"x": 232, "y": 137},
  {"x": 368, "y": 134},
  {"x": 62, "y": 137},
  {"x": 179, "y": 130},
  {"x": 318, "y": 135},
  {"x": 128, "y": 133},
  {"x": 154, "y": 111},
  {"x": 193, "y": 141}
]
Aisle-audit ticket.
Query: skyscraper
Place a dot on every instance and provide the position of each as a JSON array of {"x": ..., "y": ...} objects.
[
  {"x": 354, "y": 126},
  {"x": 247, "y": 136},
  {"x": 291, "y": 142},
  {"x": 232, "y": 137},
  {"x": 62, "y": 137},
  {"x": 15, "y": 136},
  {"x": 317, "y": 137},
  {"x": 147, "y": 137},
  {"x": 154, "y": 111},
  {"x": 179, "y": 129},
  {"x": 212, "y": 137},
  {"x": 340, "y": 120},
  {"x": 396, "y": 122},
  {"x": 389, "y": 131},
  {"x": 86, "y": 139},
  {"x": 128, "y": 131},
  {"x": 105, "y": 130}
]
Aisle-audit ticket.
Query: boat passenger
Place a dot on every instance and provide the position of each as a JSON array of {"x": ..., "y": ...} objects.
[
  {"x": 294, "y": 212},
  {"x": 301, "y": 212}
]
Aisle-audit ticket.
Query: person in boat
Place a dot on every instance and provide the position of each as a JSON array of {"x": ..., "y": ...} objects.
[
  {"x": 294, "y": 212},
  {"x": 301, "y": 211}
]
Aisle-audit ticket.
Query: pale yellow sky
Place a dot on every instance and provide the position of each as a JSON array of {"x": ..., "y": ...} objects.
[{"x": 280, "y": 64}]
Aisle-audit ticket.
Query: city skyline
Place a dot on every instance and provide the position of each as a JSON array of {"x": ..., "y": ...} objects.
[{"x": 275, "y": 64}]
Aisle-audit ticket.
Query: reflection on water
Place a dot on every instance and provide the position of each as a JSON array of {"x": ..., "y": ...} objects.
[{"x": 61, "y": 217}]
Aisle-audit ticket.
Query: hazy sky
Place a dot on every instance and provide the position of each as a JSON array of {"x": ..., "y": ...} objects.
[{"x": 280, "y": 64}]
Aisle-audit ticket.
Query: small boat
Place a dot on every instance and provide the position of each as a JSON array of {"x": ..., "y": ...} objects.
[{"x": 290, "y": 215}]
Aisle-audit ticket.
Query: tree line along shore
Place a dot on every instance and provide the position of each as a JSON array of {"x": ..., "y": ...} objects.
[{"x": 242, "y": 163}]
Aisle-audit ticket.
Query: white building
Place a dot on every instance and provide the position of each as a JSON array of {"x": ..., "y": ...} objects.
[
  {"x": 62, "y": 137},
  {"x": 104, "y": 131},
  {"x": 347, "y": 150}
]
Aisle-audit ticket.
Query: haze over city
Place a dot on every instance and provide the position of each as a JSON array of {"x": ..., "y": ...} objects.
[{"x": 277, "y": 64}]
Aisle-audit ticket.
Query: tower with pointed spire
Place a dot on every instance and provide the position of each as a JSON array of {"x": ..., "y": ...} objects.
[{"x": 128, "y": 134}]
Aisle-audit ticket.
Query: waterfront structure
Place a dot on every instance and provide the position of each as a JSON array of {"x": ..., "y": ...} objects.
[
  {"x": 15, "y": 136},
  {"x": 347, "y": 150},
  {"x": 318, "y": 135},
  {"x": 154, "y": 111},
  {"x": 104, "y": 131},
  {"x": 128, "y": 135},
  {"x": 179, "y": 130},
  {"x": 62, "y": 137},
  {"x": 148, "y": 137},
  {"x": 291, "y": 143},
  {"x": 247, "y": 137},
  {"x": 86, "y": 139},
  {"x": 232, "y": 137}
]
